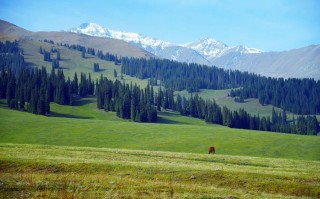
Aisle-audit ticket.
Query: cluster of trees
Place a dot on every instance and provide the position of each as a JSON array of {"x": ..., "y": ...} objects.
[
  {"x": 129, "y": 102},
  {"x": 180, "y": 76},
  {"x": 9, "y": 47},
  {"x": 47, "y": 56},
  {"x": 11, "y": 56},
  {"x": 213, "y": 113},
  {"x": 96, "y": 67},
  {"x": 32, "y": 89},
  {"x": 300, "y": 96},
  {"x": 108, "y": 57},
  {"x": 86, "y": 86}
]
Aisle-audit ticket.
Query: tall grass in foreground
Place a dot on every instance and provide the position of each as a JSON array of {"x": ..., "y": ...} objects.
[{"x": 33, "y": 171}]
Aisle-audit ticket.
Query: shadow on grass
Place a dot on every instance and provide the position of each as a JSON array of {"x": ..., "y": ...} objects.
[
  {"x": 55, "y": 114},
  {"x": 82, "y": 102},
  {"x": 100, "y": 70},
  {"x": 63, "y": 68},
  {"x": 64, "y": 59},
  {"x": 162, "y": 120},
  {"x": 3, "y": 104},
  {"x": 29, "y": 64}
]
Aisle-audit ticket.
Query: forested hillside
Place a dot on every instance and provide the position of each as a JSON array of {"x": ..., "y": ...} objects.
[
  {"x": 300, "y": 96},
  {"x": 33, "y": 89}
]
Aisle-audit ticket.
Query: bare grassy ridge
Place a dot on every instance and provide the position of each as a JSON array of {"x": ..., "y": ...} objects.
[{"x": 77, "y": 172}]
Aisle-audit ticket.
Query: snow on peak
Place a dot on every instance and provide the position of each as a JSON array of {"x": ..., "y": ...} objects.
[
  {"x": 212, "y": 48},
  {"x": 150, "y": 44},
  {"x": 208, "y": 48},
  {"x": 91, "y": 29}
]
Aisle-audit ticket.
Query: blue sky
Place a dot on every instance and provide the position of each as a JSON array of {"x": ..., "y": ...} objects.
[{"x": 270, "y": 25}]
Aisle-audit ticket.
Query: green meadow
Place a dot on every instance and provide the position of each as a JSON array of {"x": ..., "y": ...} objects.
[{"x": 84, "y": 125}]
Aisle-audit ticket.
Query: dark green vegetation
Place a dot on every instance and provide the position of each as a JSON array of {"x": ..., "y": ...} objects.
[
  {"x": 300, "y": 96},
  {"x": 129, "y": 102},
  {"x": 33, "y": 91},
  {"x": 35, "y": 171}
]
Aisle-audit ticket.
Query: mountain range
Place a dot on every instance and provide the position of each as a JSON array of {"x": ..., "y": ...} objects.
[
  {"x": 297, "y": 63},
  {"x": 203, "y": 51}
]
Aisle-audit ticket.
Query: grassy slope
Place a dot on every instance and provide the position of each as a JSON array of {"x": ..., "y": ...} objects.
[
  {"x": 72, "y": 62},
  {"x": 252, "y": 106},
  {"x": 73, "y": 172},
  {"x": 85, "y": 126}
]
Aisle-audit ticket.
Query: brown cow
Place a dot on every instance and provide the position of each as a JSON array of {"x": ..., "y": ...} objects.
[{"x": 211, "y": 150}]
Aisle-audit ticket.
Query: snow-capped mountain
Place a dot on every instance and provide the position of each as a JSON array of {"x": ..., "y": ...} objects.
[
  {"x": 212, "y": 49},
  {"x": 202, "y": 51},
  {"x": 147, "y": 43},
  {"x": 208, "y": 47}
]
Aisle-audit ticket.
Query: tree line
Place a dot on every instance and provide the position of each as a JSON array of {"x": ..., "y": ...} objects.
[
  {"x": 211, "y": 112},
  {"x": 129, "y": 102},
  {"x": 208, "y": 110},
  {"x": 300, "y": 96}
]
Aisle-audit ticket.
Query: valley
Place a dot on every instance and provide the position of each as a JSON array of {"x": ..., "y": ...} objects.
[{"x": 84, "y": 150}]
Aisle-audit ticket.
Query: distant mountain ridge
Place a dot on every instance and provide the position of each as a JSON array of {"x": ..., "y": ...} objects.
[
  {"x": 117, "y": 47},
  {"x": 201, "y": 51},
  {"x": 297, "y": 63}
]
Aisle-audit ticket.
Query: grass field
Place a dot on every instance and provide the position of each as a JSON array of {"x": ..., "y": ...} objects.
[
  {"x": 39, "y": 171},
  {"x": 73, "y": 62},
  {"x": 84, "y": 125}
]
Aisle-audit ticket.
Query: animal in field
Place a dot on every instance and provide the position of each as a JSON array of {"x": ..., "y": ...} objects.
[{"x": 211, "y": 150}]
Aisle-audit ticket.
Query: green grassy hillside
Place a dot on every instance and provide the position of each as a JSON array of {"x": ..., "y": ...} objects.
[
  {"x": 72, "y": 62},
  {"x": 252, "y": 106},
  {"x": 40, "y": 171},
  {"x": 86, "y": 126}
]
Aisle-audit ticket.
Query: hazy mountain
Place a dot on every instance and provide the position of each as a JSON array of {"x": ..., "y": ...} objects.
[
  {"x": 304, "y": 62},
  {"x": 299, "y": 63},
  {"x": 10, "y": 31},
  {"x": 182, "y": 54}
]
